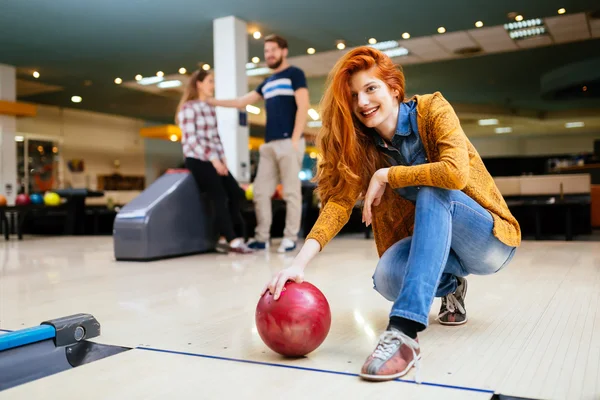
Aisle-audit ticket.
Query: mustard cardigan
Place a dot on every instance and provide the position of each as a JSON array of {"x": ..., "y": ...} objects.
[{"x": 453, "y": 163}]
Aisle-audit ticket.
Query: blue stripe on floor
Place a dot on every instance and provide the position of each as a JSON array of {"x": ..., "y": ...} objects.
[{"x": 308, "y": 369}]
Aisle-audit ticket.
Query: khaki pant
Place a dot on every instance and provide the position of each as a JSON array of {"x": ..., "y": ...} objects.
[{"x": 279, "y": 162}]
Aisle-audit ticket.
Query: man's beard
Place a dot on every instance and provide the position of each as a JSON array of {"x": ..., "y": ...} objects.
[{"x": 275, "y": 64}]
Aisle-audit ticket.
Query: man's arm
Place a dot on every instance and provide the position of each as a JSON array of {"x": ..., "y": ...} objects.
[
  {"x": 240, "y": 102},
  {"x": 303, "y": 103}
]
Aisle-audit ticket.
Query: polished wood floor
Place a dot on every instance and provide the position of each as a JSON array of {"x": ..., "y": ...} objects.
[{"x": 533, "y": 330}]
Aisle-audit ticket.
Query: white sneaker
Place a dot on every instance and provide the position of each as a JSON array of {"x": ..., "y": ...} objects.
[{"x": 286, "y": 245}]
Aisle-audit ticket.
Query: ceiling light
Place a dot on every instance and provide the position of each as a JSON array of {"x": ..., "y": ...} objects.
[
  {"x": 577, "y": 124},
  {"x": 76, "y": 99},
  {"x": 252, "y": 109},
  {"x": 36, "y": 74},
  {"x": 389, "y": 44},
  {"x": 169, "y": 84},
  {"x": 397, "y": 52},
  {"x": 507, "y": 129},
  {"x": 182, "y": 70},
  {"x": 255, "y": 60},
  {"x": 519, "y": 18},
  {"x": 206, "y": 67},
  {"x": 173, "y": 138},
  {"x": 160, "y": 74},
  {"x": 151, "y": 80},
  {"x": 310, "y": 50},
  {"x": 525, "y": 29},
  {"x": 118, "y": 81},
  {"x": 19, "y": 139},
  {"x": 487, "y": 122},
  {"x": 562, "y": 11},
  {"x": 138, "y": 77},
  {"x": 479, "y": 24},
  {"x": 313, "y": 114},
  {"x": 406, "y": 35},
  {"x": 341, "y": 46},
  {"x": 256, "y": 35},
  {"x": 258, "y": 71},
  {"x": 390, "y": 47},
  {"x": 525, "y": 33},
  {"x": 441, "y": 29},
  {"x": 523, "y": 24},
  {"x": 372, "y": 41}
]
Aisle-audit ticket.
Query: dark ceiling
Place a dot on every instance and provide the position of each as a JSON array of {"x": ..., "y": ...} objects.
[{"x": 74, "y": 41}]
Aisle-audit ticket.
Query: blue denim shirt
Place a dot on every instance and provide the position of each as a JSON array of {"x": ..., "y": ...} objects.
[{"x": 406, "y": 148}]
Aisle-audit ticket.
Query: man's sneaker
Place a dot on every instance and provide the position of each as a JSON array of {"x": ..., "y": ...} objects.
[
  {"x": 241, "y": 248},
  {"x": 452, "y": 311},
  {"x": 286, "y": 245},
  {"x": 222, "y": 246},
  {"x": 256, "y": 245},
  {"x": 393, "y": 357}
]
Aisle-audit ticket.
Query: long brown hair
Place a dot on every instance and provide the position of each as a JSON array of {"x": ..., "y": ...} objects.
[
  {"x": 348, "y": 154},
  {"x": 190, "y": 92}
]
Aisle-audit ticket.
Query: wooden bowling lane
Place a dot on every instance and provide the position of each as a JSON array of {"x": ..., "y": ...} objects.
[
  {"x": 139, "y": 374},
  {"x": 533, "y": 330}
]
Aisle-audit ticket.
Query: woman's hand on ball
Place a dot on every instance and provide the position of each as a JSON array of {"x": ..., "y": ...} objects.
[{"x": 294, "y": 273}]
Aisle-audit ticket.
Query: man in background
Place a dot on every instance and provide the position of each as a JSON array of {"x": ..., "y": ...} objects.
[{"x": 287, "y": 103}]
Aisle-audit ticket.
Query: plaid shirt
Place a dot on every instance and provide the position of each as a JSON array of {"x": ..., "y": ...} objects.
[{"x": 199, "y": 135}]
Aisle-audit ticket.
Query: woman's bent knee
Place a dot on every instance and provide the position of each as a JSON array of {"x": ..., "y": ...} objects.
[
  {"x": 381, "y": 283},
  {"x": 389, "y": 273}
]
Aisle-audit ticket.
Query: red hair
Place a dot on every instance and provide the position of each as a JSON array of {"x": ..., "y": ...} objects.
[{"x": 348, "y": 154}]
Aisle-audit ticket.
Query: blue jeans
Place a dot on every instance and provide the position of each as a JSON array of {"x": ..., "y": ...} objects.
[{"x": 452, "y": 237}]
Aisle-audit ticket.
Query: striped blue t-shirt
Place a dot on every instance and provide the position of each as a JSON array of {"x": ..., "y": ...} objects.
[{"x": 278, "y": 92}]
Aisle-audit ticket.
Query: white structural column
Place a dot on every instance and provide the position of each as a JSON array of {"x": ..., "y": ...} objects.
[
  {"x": 230, "y": 56},
  {"x": 8, "y": 129}
]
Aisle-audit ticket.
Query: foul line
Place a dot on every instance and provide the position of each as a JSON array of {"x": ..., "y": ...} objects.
[
  {"x": 307, "y": 369},
  {"x": 325, "y": 371}
]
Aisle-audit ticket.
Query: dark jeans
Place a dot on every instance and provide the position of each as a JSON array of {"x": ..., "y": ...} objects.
[{"x": 225, "y": 194}]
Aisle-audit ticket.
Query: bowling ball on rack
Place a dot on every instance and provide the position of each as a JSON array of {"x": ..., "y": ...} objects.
[
  {"x": 51, "y": 199},
  {"x": 278, "y": 195},
  {"x": 250, "y": 192},
  {"x": 295, "y": 324},
  {"x": 36, "y": 199},
  {"x": 2, "y": 201},
  {"x": 22, "y": 200}
]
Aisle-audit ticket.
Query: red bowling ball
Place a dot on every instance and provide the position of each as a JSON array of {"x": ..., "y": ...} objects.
[
  {"x": 295, "y": 324},
  {"x": 22, "y": 200}
]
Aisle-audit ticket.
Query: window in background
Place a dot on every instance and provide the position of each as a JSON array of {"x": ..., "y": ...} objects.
[{"x": 38, "y": 161}]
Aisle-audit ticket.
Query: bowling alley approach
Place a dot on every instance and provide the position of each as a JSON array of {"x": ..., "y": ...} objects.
[{"x": 333, "y": 200}]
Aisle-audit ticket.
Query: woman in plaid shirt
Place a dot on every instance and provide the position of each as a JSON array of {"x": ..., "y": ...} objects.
[{"x": 205, "y": 158}]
